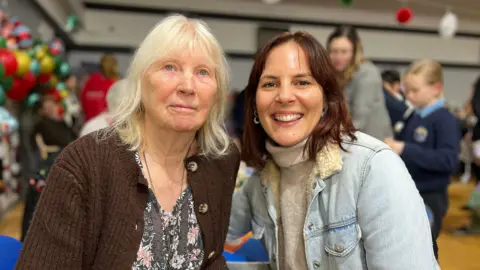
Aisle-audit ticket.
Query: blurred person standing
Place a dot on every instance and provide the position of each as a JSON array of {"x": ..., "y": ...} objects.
[
  {"x": 93, "y": 95},
  {"x": 115, "y": 95},
  {"x": 361, "y": 82},
  {"x": 395, "y": 101},
  {"x": 430, "y": 143}
]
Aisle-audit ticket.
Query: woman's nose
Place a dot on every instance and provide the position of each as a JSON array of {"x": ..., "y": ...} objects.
[
  {"x": 187, "y": 85},
  {"x": 285, "y": 95}
]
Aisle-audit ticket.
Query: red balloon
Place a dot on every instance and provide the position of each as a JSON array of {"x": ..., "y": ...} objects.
[
  {"x": 29, "y": 79},
  {"x": 19, "y": 90},
  {"x": 44, "y": 78},
  {"x": 9, "y": 61},
  {"x": 404, "y": 15}
]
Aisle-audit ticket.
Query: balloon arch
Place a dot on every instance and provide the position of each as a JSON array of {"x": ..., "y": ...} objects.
[{"x": 30, "y": 67}]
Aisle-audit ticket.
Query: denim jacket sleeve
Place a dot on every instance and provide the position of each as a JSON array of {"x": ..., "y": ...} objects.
[
  {"x": 241, "y": 215},
  {"x": 392, "y": 217}
]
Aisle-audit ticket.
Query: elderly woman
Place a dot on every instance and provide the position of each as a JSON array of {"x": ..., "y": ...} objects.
[
  {"x": 154, "y": 192},
  {"x": 325, "y": 197}
]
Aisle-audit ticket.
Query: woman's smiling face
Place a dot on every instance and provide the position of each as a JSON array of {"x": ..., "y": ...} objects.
[{"x": 289, "y": 101}]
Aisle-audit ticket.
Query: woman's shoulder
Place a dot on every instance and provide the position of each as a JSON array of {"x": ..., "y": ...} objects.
[
  {"x": 362, "y": 151},
  {"x": 368, "y": 69},
  {"x": 230, "y": 160},
  {"x": 94, "y": 150}
]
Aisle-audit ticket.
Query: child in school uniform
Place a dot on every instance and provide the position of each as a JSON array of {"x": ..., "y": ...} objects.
[{"x": 429, "y": 143}]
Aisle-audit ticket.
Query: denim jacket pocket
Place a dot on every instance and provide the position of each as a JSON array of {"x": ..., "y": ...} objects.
[{"x": 342, "y": 239}]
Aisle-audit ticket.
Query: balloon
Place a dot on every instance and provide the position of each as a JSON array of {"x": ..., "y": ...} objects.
[
  {"x": 3, "y": 43},
  {"x": 53, "y": 81},
  {"x": 58, "y": 60},
  {"x": 72, "y": 23},
  {"x": 9, "y": 62},
  {"x": 26, "y": 43},
  {"x": 61, "y": 86},
  {"x": 32, "y": 99},
  {"x": 18, "y": 91},
  {"x": 7, "y": 83},
  {"x": 404, "y": 15},
  {"x": 57, "y": 47},
  {"x": 23, "y": 61},
  {"x": 3, "y": 98},
  {"x": 44, "y": 78},
  {"x": 35, "y": 67},
  {"x": 63, "y": 70},
  {"x": 29, "y": 79},
  {"x": 448, "y": 25},
  {"x": 46, "y": 65},
  {"x": 40, "y": 52},
  {"x": 346, "y": 3},
  {"x": 63, "y": 93}
]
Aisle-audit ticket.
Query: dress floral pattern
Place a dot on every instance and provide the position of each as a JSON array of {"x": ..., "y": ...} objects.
[{"x": 170, "y": 240}]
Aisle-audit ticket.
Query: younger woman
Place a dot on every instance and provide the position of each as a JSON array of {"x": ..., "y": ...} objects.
[
  {"x": 361, "y": 83},
  {"x": 325, "y": 197}
]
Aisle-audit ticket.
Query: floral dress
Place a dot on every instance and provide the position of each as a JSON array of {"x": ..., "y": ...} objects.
[{"x": 170, "y": 240}]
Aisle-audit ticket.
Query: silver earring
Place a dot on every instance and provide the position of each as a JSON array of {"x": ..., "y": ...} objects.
[
  {"x": 255, "y": 118},
  {"x": 324, "y": 112}
]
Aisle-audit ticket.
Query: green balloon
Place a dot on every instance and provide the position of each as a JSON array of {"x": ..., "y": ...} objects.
[
  {"x": 2, "y": 71},
  {"x": 35, "y": 67},
  {"x": 32, "y": 99},
  {"x": 37, "y": 42},
  {"x": 7, "y": 83},
  {"x": 3, "y": 42},
  {"x": 63, "y": 70},
  {"x": 346, "y": 3},
  {"x": 61, "y": 86},
  {"x": 58, "y": 61},
  {"x": 3, "y": 97}
]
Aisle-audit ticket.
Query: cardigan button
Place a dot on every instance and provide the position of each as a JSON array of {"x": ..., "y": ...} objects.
[
  {"x": 203, "y": 208},
  {"x": 211, "y": 254},
  {"x": 192, "y": 166}
]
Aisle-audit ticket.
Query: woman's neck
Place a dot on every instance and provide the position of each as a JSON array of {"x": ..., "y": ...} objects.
[{"x": 168, "y": 148}]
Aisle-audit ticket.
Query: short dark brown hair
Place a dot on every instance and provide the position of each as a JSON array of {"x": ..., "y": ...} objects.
[{"x": 336, "y": 122}]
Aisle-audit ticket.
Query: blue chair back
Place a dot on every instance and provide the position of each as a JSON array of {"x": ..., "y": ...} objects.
[{"x": 9, "y": 252}]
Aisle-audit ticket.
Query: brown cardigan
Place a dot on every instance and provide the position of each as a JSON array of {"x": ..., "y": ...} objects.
[{"x": 90, "y": 215}]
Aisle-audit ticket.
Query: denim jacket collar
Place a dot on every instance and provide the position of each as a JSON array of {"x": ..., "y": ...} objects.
[{"x": 328, "y": 162}]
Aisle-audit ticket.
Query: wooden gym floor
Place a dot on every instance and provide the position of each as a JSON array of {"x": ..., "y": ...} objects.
[{"x": 456, "y": 252}]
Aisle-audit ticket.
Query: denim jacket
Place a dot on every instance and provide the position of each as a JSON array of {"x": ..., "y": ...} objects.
[{"x": 360, "y": 215}]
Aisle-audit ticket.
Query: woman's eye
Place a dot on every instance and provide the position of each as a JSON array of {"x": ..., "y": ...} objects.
[
  {"x": 303, "y": 83},
  {"x": 169, "y": 67},
  {"x": 203, "y": 72},
  {"x": 268, "y": 84}
]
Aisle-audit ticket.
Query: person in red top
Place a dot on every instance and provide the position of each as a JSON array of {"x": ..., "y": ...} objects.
[{"x": 93, "y": 96}]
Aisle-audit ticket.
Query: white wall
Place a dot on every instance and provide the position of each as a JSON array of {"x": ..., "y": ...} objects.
[
  {"x": 239, "y": 35},
  {"x": 293, "y": 11}
]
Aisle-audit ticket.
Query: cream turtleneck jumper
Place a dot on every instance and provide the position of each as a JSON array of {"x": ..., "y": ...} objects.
[{"x": 295, "y": 169}]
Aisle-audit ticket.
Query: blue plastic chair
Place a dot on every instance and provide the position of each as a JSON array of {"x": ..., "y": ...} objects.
[
  {"x": 251, "y": 251},
  {"x": 9, "y": 252}
]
